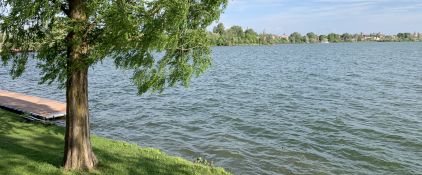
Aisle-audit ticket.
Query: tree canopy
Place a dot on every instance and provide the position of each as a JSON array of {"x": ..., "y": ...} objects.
[
  {"x": 130, "y": 32},
  {"x": 296, "y": 37},
  {"x": 312, "y": 37},
  {"x": 333, "y": 38},
  {"x": 163, "y": 42},
  {"x": 219, "y": 29}
]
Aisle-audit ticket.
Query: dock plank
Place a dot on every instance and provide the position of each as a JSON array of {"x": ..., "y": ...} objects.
[{"x": 36, "y": 106}]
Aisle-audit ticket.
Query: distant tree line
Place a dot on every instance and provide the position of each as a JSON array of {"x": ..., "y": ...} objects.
[
  {"x": 235, "y": 35},
  {"x": 346, "y": 37}
]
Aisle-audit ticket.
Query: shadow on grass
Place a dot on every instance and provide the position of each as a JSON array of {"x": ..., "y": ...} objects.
[
  {"x": 29, "y": 148},
  {"x": 24, "y": 145}
]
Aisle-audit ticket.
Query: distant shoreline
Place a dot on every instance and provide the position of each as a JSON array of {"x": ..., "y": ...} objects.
[
  {"x": 360, "y": 42},
  {"x": 236, "y": 35}
]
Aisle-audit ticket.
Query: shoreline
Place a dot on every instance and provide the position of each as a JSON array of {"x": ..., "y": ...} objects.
[
  {"x": 32, "y": 144},
  {"x": 360, "y": 42}
]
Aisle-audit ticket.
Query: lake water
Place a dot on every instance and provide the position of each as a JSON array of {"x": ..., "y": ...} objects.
[{"x": 284, "y": 109}]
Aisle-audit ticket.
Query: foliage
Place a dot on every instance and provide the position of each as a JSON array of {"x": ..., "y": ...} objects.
[
  {"x": 219, "y": 29},
  {"x": 30, "y": 148},
  {"x": 404, "y": 36},
  {"x": 203, "y": 161},
  {"x": 333, "y": 38},
  {"x": 323, "y": 38},
  {"x": 130, "y": 32},
  {"x": 1, "y": 38},
  {"x": 235, "y": 35},
  {"x": 346, "y": 37},
  {"x": 296, "y": 38},
  {"x": 236, "y": 31},
  {"x": 312, "y": 38},
  {"x": 164, "y": 42}
]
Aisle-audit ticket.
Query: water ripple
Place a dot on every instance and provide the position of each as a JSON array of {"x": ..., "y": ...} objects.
[{"x": 287, "y": 109}]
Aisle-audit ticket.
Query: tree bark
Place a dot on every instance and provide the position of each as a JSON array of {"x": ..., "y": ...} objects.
[{"x": 78, "y": 153}]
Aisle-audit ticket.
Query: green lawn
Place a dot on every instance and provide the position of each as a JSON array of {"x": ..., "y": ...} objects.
[{"x": 30, "y": 148}]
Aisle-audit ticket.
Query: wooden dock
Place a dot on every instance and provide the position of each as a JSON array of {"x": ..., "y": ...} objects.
[{"x": 38, "y": 107}]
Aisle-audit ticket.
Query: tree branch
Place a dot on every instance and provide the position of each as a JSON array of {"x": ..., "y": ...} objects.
[{"x": 62, "y": 7}]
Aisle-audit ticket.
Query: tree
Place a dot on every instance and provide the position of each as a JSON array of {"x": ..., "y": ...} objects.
[
  {"x": 236, "y": 31},
  {"x": 346, "y": 37},
  {"x": 250, "y": 32},
  {"x": 251, "y": 36},
  {"x": 295, "y": 38},
  {"x": 76, "y": 34},
  {"x": 219, "y": 29},
  {"x": 323, "y": 38},
  {"x": 312, "y": 37},
  {"x": 333, "y": 38},
  {"x": 404, "y": 36}
]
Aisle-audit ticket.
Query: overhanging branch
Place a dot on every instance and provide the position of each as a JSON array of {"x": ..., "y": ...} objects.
[{"x": 62, "y": 7}]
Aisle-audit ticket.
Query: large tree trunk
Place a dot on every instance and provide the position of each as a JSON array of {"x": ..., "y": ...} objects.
[{"x": 78, "y": 153}]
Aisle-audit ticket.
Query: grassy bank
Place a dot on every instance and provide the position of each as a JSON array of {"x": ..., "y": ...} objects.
[{"x": 29, "y": 148}]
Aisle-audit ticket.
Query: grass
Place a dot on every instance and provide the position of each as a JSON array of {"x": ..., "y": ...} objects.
[{"x": 31, "y": 148}]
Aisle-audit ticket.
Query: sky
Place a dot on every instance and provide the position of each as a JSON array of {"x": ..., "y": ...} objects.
[{"x": 325, "y": 16}]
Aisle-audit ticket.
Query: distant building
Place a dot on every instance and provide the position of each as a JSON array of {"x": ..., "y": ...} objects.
[
  {"x": 284, "y": 36},
  {"x": 372, "y": 37}
]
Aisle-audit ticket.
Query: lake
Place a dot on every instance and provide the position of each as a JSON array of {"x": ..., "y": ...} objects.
[{"x": 282, "y": 109}]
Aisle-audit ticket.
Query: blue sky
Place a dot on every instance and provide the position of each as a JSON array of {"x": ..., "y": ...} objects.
[{"x": 325, "y": 16}]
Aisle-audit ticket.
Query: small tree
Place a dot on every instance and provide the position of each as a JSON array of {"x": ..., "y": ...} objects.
[
  {"x": 313, "y": 38},
  {"x": 236, "y": 31},
  {"x": 346, "y": 37},
  {"x": 333, "y": 38},
  {"x": 219, "y": 29},
  {"x": 76, "y": 34},
  {"x": 295, "y": 38},
  {"x": 322, "y": 38},
  {"x": 251, "y": 36}
]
